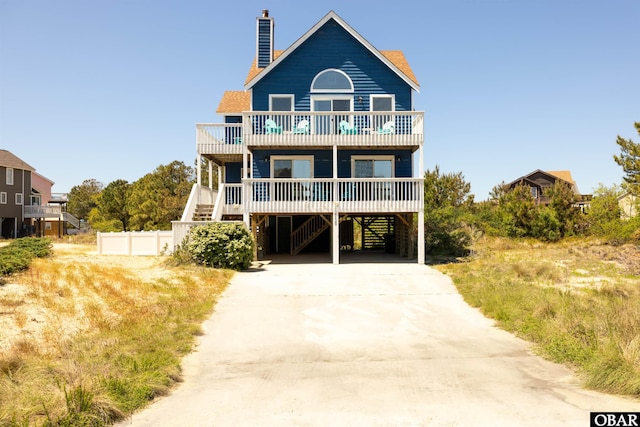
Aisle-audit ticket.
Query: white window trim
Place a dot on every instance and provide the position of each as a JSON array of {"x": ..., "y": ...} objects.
[
  {"x": 373, "y": 157},
  {"x": 19, "y": 199},
  {"x": 9, "y": 176},
  {"x": 379, "y": 95},
  {"x": 331, "y": 98},
  {"x": 281, "y": 95},
  {"x": 313, "y": 82},
  {"x": 292, "y": 157},
  {"x": 534, "y": 192},
  {"x": 3, "y": 197}
]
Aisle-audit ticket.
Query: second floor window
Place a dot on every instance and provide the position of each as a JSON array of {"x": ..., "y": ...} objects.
[
  {"x": 3, "y": 198},
  {"x": 281, "y": 103},
  {"x": 18, "y": 198},
  {"x": 382, "y": 103},
  {"x": 292, "y": 166},
  {"x": 9, "y": 176},
  {"x": 372, "y": 167}
]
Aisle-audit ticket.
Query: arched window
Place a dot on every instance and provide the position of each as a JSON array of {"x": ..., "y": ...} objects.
[{"x": 331, "y": 80}]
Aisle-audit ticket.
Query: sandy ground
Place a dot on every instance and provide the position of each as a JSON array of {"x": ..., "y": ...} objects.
[{"x": 24, "y": 317}]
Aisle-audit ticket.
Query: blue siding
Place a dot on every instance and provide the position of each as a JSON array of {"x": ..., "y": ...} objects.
[
  {"x": 233, "y": 119},
  {"x": 331, "y": 47},
  {"x": 322, "y": 164},
  {"x": 232, "y": 175}
]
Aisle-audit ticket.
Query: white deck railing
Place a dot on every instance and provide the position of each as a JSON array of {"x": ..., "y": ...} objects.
[
  {"x": 313, "y": 129},
  {"x": 219, "y": 138},
  {"x": 34, "y": 211},
  {"x": 232, "y": 199},
  {"x": 373, "y": 195},
  {"x": 52, "y": 212}
]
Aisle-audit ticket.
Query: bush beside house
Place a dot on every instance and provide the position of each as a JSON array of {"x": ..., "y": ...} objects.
[{"x": 218, "y": 245}]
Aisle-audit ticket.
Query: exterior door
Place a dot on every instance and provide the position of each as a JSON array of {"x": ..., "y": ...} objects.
[
  {"x": 373, "y": 167},
  {"x": 299, "y": 167},
  {"x": 329, "y": 124},
  {"x": 283, "y": 234}
]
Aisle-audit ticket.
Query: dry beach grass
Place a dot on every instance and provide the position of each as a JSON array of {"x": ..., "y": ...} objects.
[
  {"x": 85, "y": 339},
  {"x": 578, "y": 301}
]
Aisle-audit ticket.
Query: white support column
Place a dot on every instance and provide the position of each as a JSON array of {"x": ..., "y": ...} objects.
[
  {"x": 421, "y": 236},
  {"x": 245, "y": 160},
  {"x": 335, "y": 242},
  {"x": 421, "y": 161},
  {"x": 198, "y": 172},
  {"x": 222, "y": 170},
  {"x": 210, "y": 174},
  {"x": 246, "y": 216},
  {"x": 335, "y": 161},
  {"x": 421, "y": 255}
]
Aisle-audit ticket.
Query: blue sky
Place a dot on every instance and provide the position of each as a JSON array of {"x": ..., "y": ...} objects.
[{"x": 112, "y": 89}]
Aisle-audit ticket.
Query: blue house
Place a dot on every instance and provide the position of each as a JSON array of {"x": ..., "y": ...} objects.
[{"x": 321, "y": 151}]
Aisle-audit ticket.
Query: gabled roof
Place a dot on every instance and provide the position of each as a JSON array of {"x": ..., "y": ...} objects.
[
  {"x": 394, "y": 59},
  {"x": 523, "y": 180},
  {"x": 562, "y": 175},
  {"x": 254, "y": 70},
  {"x": 10, "y": 160}
]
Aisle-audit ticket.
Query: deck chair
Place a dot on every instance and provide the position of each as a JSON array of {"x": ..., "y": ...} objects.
[
  {"x": 347, "y": 129},
  {"x": 387, "y": 129},
  {"x": 302, "y": 127},
  {"x": 270, "y": 127}
]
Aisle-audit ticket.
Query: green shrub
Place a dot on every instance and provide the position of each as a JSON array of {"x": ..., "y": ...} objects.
[
  {"x": 545, "y": 225},
  {"x": 17, "y": 256},
  {"x": 220, "y": 245},
  {"x": 38, "y": 247}
]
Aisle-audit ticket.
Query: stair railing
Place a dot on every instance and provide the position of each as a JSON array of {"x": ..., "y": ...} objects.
[{"x": 307, "y": 232}]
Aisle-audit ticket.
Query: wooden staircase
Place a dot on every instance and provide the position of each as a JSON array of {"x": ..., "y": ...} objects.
[
  {"x": 203, "y": 213},
  {"x": 307, "y": 232}
]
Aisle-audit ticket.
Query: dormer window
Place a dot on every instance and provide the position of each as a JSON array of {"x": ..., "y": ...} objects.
[
  {"x": 332, "y": 80},
  {"x": 534, "y": 192}
]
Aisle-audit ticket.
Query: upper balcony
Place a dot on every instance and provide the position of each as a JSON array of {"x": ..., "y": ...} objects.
[
  {"x": 37, "y": 211},
  {"x": 381, "y": 130}
]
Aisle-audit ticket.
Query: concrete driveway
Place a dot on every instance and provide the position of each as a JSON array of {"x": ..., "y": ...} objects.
[{"x": 378, "y": 344}]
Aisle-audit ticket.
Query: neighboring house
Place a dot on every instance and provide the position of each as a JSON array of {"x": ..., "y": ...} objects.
[
  {"x": 48, "y": 210},
  {"x": 27, "y": 206},
  {"x": 628, "y": 205},
  {"x": 319, "y": 149},
  {"x": 539, "y": 181},
  {"x": 15, "y": 192}
]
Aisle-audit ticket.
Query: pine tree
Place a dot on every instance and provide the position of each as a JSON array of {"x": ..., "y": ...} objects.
[{"x": 629, "y": 159}]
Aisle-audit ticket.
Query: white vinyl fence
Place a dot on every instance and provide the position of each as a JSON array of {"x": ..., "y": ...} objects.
[{"x": 135, "y": 243}]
